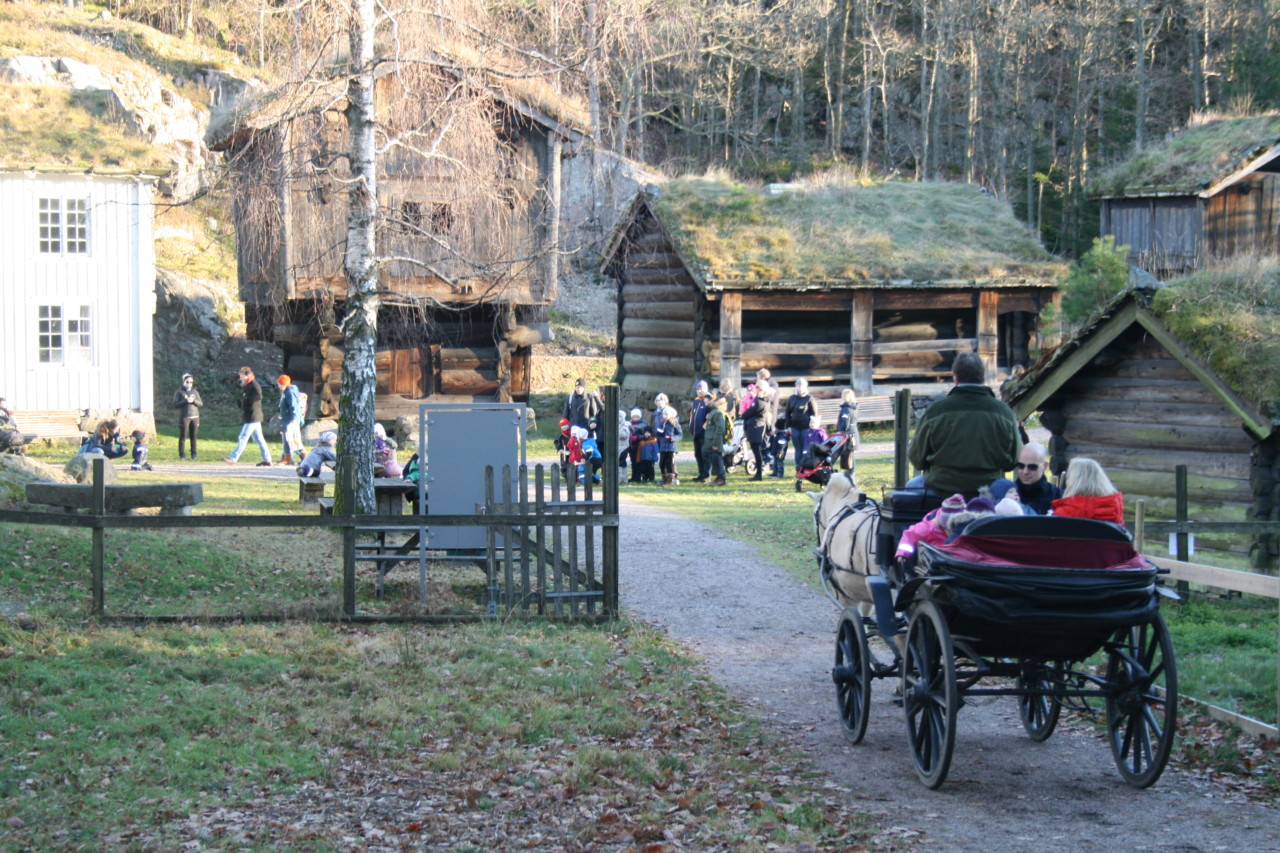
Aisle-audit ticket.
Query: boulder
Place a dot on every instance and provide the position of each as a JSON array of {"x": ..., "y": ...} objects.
[
  {"x": 80, "y": 470},
  {"x": 17, "y": 471},
  {"x": 192, "y": 319}
]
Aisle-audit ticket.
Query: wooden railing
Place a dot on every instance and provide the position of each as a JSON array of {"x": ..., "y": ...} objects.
[{"x": 542, "y": 558}]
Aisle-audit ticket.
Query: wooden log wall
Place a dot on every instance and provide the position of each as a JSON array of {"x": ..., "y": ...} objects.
[
  {"x": 657, "y": 316},
  {"x": 1144, "y": 415}
]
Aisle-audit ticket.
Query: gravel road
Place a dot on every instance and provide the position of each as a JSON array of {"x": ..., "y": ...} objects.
[{"x": 770, "y": 640}]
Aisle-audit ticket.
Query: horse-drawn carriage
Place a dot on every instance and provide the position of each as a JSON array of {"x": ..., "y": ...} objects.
[{"x": 1053, "y": 611}]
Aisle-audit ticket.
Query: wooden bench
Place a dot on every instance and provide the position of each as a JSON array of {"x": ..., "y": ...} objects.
[
  {"x": 870, "y": 409},
  {"x": 51, "y": 423},
  {"x": 170, "y": 498},
  {"x": 310, "y": 491}
]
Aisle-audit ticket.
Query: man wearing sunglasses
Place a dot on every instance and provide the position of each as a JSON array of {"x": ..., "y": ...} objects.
[{"x": 1034, "y": 489}]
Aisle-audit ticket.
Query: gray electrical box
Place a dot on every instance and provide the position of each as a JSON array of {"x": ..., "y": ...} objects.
[{"x": 456, "y": 441}]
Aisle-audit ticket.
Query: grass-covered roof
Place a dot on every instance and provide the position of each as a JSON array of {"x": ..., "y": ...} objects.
[
  {"x": 1227, "y": 317},
  {"x": 1192, "y": 159},
  {"x": 837, "y": 230},
  {"x": 1230, "y": 317}
]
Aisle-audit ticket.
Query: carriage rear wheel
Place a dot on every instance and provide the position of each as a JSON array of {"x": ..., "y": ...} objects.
[
  {"x": 852, "y": 674},
  {"x": 1039, "y": 710},
  {"x": 1142, "y": 705},
  {"x": 749, "y": 465},
  {"x": 929, "y": 693}
]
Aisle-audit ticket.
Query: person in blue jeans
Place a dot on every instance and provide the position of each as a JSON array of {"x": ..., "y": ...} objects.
[
  {"x": 251, "y": 419},
  {"x": 799, "y": 412}
]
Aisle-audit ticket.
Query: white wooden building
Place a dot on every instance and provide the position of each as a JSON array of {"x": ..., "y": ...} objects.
[{"x": 77, "y": 290}]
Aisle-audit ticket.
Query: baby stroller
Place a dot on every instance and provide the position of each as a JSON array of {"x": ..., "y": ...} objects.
[
  {"x": 737, "y": 453},
  {"x": 818, "y": 460}
]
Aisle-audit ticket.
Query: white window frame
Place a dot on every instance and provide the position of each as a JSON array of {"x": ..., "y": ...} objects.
[
  {"x": 62, "y": 226},
  {"x": 64, "y": 335}
]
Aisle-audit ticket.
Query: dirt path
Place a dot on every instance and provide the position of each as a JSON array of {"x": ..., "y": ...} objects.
[{"x": 770, "y": 640}]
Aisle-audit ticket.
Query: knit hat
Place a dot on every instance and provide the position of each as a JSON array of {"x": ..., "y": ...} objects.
[
  {"x": 980, "y": 504},
  {"x": 1000, "y": 488},
  {"x": 329, "y": 437},
  {"x": 951, "y": 506},
  {"x": 379, "y": 430},
  {"x": 283, "y": 380},
  {"x": 636, "y": 413},
  {"x": 578, "y": 432},
  {"x": 564, "y": 422},
  {"x": 1008, "y": 506},
  {"x": 702, "y": 389}
]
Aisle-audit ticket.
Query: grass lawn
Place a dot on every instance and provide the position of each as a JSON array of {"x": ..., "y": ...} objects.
[
  {"x": 236, "y": 736},
  {"x": 313, "y": 737}
]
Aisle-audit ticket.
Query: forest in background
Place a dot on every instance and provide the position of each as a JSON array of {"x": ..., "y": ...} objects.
[{"x": 1028, "y": 99}]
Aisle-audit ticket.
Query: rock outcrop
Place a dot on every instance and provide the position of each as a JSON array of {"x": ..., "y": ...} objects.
[{"x": 154, "y": 111}]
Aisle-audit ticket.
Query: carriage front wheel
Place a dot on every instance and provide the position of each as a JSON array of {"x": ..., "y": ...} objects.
[
  {"x": 929, "y": 693},
  {"x": 852, "y": 674},
  {"x": 1142, "y": 702}
]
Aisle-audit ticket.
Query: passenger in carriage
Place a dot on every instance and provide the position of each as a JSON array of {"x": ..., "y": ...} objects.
[
  {"x": 1089, "y": 493},
  {"x": 1034, "y": 489},
  {"x": 932, "y": 530}
]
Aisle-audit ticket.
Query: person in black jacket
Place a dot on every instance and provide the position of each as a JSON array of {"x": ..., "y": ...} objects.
[
  {"x": 581, "y": 407},
  {"x": 757, "y": 418},
  {"x": 800, "y": 410},
  {"x": 187, "y": 401},
  {"x": 250, "y": 419}
]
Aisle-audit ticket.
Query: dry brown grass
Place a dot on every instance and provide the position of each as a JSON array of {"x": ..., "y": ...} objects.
[
  {"x": 841, "y": 228},
  {"x": 50, "y": 127},
  {"x": 1209, "y": 147}
]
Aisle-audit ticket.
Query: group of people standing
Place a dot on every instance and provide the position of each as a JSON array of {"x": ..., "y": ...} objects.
[{"x": 770, "y": 425}]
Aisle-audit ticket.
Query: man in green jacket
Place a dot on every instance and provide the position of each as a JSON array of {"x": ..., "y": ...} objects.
[{"x": 969, "y": 438}]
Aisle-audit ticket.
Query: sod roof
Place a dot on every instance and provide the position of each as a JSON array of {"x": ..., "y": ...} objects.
[
  {"x": 845, "y": 233},
  {"x": 1191, "y": 160},
  {"x": 1227, "y": 318}
]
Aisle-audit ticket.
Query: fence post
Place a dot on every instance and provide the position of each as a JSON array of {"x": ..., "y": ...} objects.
[
  {"x": 346, "y": 485},
  {"x": 1139, "y": 525},
  {"x": 901, "y": 437},
  {"x": 97, "y": 562},
  {"x": 1180, "y": 515},
  {"x": 609, "y": 534}
]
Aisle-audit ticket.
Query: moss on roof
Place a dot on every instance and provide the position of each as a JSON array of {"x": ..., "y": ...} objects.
[
  {"x": 1191, "y": 159},
  {"x": 837, "y": 229},
  {"x": 1230, "y": 317}
]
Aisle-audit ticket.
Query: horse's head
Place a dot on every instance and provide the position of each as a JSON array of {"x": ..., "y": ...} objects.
[{"x": 840, "y": 492}]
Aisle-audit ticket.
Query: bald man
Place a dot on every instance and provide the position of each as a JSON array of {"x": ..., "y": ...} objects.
[{"x": 1034, "y": 489}]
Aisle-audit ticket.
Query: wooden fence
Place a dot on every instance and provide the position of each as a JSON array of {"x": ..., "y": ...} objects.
[{"x": 552, "y": 551}]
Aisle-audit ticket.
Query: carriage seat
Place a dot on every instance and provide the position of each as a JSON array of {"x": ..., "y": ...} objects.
[
  {"x": 901, "y": 509},
  {"x": 1057, "y": 527}
]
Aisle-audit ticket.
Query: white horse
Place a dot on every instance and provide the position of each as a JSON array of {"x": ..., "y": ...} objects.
[{"x": 847, "y": 532}]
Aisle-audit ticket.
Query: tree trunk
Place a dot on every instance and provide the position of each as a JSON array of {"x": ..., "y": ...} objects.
[{"x": 359, "y": 375}]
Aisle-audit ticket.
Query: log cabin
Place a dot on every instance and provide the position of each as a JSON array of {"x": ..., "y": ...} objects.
[
  {"x": 468, "y": 237},
  {"x": 1204, "y": 194},
  {"x": 1141, "y": 399},
  {"x": 871, "y": 285}
]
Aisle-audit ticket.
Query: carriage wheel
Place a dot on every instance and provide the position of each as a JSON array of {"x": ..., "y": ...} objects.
[
  {"x": 1142, "y": 706},
  {"x": 929, "y": 694},
  {"x": 1038, "y": 709},
  {"x": 749, "y": 465},
  {"x": 852, "y": 675}
]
